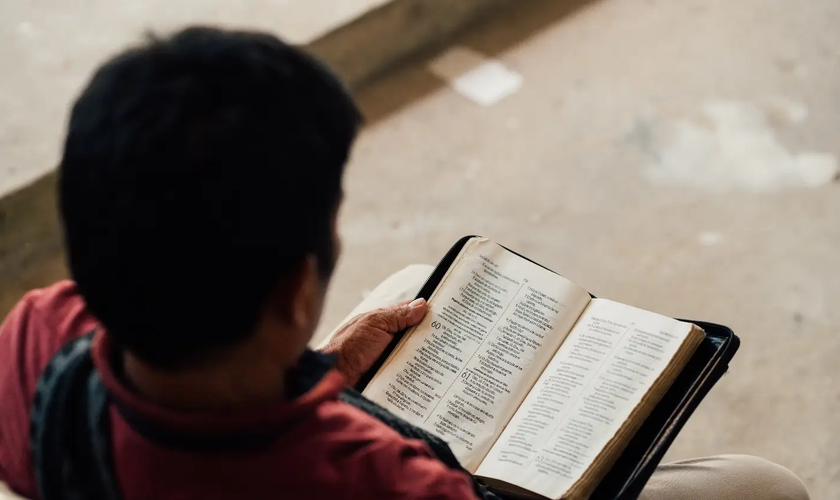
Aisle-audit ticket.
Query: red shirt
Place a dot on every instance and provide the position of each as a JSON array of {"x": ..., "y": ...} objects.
[{"x": 327, "y": 450}]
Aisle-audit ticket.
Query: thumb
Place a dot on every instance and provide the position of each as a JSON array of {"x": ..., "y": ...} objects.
[{"x": 401, "y": 316}]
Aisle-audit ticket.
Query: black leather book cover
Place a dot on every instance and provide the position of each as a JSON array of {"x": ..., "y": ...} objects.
[{"x": 634, "y": 467}]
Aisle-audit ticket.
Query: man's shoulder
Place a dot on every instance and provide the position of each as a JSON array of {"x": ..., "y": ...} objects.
[
  {"x": 56, "y": 305},
  {"x": 44, "y": 320},
  {"x": 374, "y": 459},
  {"x": 35, "y": 329}
]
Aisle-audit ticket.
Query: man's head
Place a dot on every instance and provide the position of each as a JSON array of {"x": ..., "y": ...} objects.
[{"x": 199, "y": 188}]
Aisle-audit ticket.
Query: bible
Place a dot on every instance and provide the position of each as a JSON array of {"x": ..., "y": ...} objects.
[{"x": 540, "y": 389}]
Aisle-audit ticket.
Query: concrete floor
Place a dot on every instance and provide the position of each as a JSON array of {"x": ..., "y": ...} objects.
[
  {"x": 671, "y": 155},
  {"x": 48, "y": 50},
  {"x": 678, "y": 156}
]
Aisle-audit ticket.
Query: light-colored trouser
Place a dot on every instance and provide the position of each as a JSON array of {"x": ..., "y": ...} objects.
[{"x": 724, "y": 477}]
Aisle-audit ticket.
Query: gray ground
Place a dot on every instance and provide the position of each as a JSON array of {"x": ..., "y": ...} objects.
[
  {"x": 657, "y": 154},
  {"x": 675, "y": 155}
]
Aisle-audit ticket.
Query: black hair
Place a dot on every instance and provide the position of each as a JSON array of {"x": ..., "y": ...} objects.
[{"x": 198, "y": 171}]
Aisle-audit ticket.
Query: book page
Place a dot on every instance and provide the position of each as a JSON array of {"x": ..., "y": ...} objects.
[
  {"x": 608, "y": 364},
  {"x": 491, "y": 328}
]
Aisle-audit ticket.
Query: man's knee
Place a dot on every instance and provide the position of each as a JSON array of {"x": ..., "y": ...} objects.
[
  {"x": 767, "y": 479},
  {"x": 725, "y": 477},
  {"x": 402, "y": 285}
]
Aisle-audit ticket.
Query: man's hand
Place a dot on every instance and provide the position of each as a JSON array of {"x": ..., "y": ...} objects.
[{"x": 360, "y": 341}]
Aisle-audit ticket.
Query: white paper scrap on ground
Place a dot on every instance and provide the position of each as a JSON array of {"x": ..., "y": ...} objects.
[
  {"x": 480, "y": 79},
  {"x": 735, "y": 145},
  {"x": 709, "y": 238}
]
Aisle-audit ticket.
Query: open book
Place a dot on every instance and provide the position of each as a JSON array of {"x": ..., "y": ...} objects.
[{"x": 537, "y": 387}]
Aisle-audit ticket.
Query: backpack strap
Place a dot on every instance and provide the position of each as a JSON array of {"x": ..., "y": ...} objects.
[{"x": 70, "y": 429}]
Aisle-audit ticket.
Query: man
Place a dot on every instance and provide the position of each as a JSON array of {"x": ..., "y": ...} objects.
[{"x": 199, "y": 189}]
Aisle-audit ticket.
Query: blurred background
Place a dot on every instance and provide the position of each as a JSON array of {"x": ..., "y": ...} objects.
[{"x": 680, "y": 156}]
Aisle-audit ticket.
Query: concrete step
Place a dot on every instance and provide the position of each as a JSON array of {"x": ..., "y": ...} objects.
[{"x": 358, "y": 38}]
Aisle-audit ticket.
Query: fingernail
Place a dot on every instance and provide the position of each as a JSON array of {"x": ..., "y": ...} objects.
[{"x": 416, "y": 303}]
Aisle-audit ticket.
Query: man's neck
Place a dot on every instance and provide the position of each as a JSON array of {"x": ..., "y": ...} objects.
[{"x": 247, "y": 377}]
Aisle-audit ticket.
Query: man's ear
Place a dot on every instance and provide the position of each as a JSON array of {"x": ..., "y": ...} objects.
[{"x": 302, "y": 296}]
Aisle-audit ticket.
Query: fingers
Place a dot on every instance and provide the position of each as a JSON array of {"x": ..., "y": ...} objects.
[
  {"x": 416, "y": 310},
  {"x": 398, "y": 317}
]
